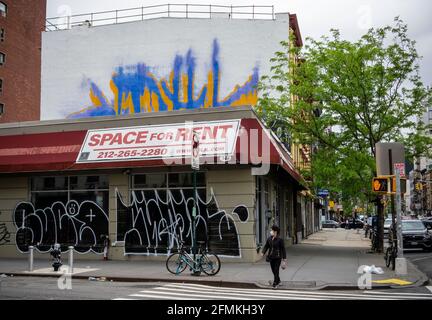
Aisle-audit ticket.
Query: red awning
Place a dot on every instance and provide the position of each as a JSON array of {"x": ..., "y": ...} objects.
[{"x": 58, "y": 151}]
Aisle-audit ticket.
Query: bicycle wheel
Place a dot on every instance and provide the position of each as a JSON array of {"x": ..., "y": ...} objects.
[
  {"x": 393, "y": 259},
  {"x": 210, "y": 264},
  {"x": 175, "y": 264}
]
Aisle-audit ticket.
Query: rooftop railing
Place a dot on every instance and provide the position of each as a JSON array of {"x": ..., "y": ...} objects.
[{"x": 188, "y": 11}]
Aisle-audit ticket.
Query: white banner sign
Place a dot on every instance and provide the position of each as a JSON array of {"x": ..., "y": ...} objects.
[
  {"x": 159, "y": 141},
  {"x": 401, "y": 167}
]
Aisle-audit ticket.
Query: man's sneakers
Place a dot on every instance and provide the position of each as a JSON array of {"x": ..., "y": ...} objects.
[{"x": 274, "y": 284}]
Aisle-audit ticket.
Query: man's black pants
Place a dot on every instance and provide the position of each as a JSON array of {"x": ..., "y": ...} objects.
[{"x": 275, "y": 265}]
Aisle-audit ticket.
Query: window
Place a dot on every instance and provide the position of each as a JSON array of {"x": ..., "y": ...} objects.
[
  {"x": 1, "y": 108},
  {"x": 2, "y": 58},
  {"x": 161, "y": 193},
  {"x": 52, "y": 194},
  {"x": 2, "y": 34},
  {"x": 3, "y": 9},
  {"x": 1, "y": 85}
]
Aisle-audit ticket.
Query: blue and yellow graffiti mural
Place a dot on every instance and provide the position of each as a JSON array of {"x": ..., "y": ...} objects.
[{"x": 137, "y": 90}]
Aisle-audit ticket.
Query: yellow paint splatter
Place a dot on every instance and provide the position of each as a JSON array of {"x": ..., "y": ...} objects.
[{"x": 393, "y": 281}]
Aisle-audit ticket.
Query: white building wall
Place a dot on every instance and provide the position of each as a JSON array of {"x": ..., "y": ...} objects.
[{"x": 75, "y": 60}]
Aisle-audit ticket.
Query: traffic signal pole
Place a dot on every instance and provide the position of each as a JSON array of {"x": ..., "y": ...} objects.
[
  {"x": 392, "y": 197},
  {"x": 401, "y": 264}
]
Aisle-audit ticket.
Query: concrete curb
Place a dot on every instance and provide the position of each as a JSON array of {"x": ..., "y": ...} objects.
[
  {"x": 215, "y": 283},
  {"x": 223, "y": 283},
  {"x": 424, "y": 279}
]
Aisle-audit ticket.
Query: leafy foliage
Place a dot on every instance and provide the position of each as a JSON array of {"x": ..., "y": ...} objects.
[{"x": 343, "y": 97}]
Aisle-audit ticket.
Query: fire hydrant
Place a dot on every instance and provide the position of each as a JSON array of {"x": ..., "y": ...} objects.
[{"x": 56, "y": 255}]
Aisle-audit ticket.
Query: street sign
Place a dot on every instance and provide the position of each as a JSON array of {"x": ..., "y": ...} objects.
[
  {"x": 381, "y": 185},
  {"x": 195, "y": 151},
  {"x": 401, "y": 167},
  {"x": 388, "y": 154},
  {"x": 323, "y": 193}
]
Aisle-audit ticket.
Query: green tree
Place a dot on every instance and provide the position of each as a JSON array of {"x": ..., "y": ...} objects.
[{"x": 364, "y": 92}]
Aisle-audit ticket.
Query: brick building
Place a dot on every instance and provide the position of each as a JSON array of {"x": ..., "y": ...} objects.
[{"x": 21, "y": 25}]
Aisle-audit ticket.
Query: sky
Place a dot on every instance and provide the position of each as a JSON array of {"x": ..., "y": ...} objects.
[{"x": 316, "y": 17}]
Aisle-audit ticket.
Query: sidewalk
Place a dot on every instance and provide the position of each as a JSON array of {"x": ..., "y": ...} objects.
[{"x": 326, "y": 260}]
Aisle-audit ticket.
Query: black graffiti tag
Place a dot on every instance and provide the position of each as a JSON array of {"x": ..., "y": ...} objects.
[
  {"x": 4, "y": 234},
  {"x": 72, "y": 224},
  {"x": 156, "y": 221}
]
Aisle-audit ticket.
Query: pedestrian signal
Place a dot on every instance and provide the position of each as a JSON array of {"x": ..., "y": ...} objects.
[{"x": 380, "y": 185}]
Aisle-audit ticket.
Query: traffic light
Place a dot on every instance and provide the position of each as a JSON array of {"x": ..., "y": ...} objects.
[
  {"x": 381, "y": 184},
  {"x": 402, "y": 185},
  {"x": 419, "y": 186}
]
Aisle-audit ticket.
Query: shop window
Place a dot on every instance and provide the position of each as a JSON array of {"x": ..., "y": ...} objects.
[
  {"x": 54, "y": 195},
  {"x": 88, "y": 182},
  {"x": 155, "y": 181},
  {"x": 160, "y": 193},
  {"x": 182, "y": 180},
  {"x": 3, "y": 9},
  {"x": 2, "y": 58}
]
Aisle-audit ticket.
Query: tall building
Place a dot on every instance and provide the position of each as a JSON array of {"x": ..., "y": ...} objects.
[{"x": 21, "y": 26}]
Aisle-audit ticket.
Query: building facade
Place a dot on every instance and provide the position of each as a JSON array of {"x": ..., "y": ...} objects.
[
  {"x": 48, "y": 195},
  {"x": 21, "y": 26},
  {"x": 102, "y": 160}
]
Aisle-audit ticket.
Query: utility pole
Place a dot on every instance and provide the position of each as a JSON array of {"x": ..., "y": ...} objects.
[
  {"x": 195, "y": 168},
  {"x": 401, "y": 265},
  {"x": 417, "y": 190}
]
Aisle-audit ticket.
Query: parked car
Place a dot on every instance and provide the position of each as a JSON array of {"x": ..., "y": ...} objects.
[
  {"x": 428, "y": 223},
  {"x": 387, "y": 225},
  {"x": 416, "y": 235},
  {"x": 330, "y": 224},
  {"x": 352, "y": 224}
]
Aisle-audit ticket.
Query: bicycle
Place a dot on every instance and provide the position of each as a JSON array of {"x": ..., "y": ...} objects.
[
  {"x": 391, "y": 253},
  {"x": 374, "y": 240},
  {"x": 207, "y": 262}
]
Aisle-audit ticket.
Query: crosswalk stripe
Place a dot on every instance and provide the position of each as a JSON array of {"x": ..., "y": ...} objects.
[
  {"x": 140, "y": 295},
  {"x": 326, "y": 295},
  {"x": 248, "y": 296},
  {"x": 266, "y": 293},
  {"x": 162, "y": 293},
  {"x": 188, "y": 291},
  {"x": 426, "y": 295},
  {"x": 270, "y": 292}
]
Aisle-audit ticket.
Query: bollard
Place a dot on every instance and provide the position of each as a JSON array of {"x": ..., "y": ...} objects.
[
  {"x": 31, "y": 248},
  {"x": 70, "y": 259}
]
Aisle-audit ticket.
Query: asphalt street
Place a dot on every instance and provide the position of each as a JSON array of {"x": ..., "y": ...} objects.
[
  {"x": 41, "y": 288},
  {"x": 422, "y": 260}
]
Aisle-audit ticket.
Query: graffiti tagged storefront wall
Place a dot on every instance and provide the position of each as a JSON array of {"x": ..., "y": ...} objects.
[
  {"x": 71, "y": 211},
  {"x": 160, "y": 216}
]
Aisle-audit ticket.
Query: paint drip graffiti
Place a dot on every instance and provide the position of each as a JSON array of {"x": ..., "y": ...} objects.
[
  {"x": 74, "y": 224},
  {"x": 137, "y": 90},
  {"x": 156, "y": 222},
  {"x": 4, "y": 234}
]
